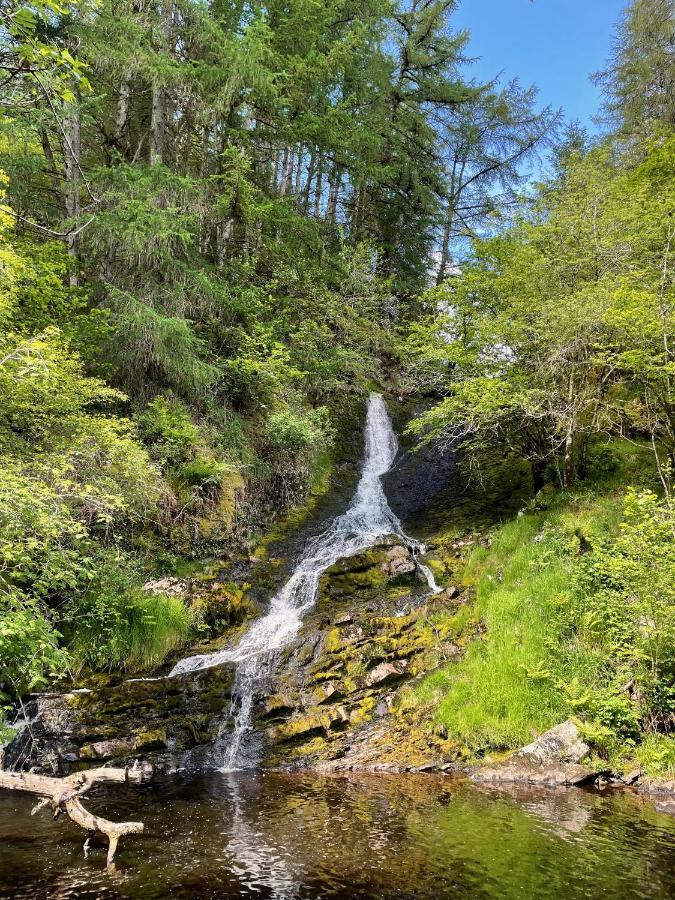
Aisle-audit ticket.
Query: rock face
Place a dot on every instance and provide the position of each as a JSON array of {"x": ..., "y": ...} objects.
[
  {"x": 372, "y": 630},
  {"x": 553, "y": 759},
  {"x": 169, "y": 724}
]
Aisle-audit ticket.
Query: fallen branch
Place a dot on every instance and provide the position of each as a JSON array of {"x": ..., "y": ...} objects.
[{"x": 63, "y": 795}]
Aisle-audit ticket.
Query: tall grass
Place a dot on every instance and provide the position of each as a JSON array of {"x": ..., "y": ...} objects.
[{"x": 132, "y": 633}]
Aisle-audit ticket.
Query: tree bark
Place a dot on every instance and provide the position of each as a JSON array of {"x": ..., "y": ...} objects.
[
  {"x": 71, "y": 153},
  {"x": 158, "y": 116},
  {"x": 63, "y": 795},
  {"x": 122, "y": 114}
]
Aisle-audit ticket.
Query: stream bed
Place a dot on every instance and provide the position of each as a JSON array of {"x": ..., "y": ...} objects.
[{"x": 287, "y": 836}]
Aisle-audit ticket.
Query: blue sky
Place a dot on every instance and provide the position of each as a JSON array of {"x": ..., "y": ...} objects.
[{"x": 555, "y": 44}]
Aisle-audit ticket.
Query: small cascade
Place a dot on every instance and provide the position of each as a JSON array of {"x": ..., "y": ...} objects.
[{"x": 368, "y": 519}]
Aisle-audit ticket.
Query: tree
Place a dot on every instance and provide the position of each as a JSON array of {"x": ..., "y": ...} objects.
[
  {"x": 535, "y": 349},
  {"x": 638, "y": 81}
]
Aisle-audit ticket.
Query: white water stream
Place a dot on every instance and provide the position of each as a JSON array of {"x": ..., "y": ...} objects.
[{"x": 367, "y": 520}]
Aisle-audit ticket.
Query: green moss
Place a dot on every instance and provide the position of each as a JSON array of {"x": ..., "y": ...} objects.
[{"x": 333, "y": 640}]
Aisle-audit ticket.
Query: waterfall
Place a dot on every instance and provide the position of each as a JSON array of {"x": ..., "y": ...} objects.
[{"x": 367, "y": 520}]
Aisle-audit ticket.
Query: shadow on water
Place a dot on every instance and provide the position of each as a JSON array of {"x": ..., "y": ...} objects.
[{"x": 283, "y": 836}]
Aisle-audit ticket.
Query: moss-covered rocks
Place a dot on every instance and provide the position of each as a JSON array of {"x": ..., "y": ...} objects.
[
  {"x": 170, "y": 723},
  {"x": 374, "y": 628}
]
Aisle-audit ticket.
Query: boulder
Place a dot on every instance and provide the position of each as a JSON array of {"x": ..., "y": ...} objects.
[
  {"x": 661, "y": 791},
  {"x": 398, "y": 561},
  {"x": 553, "y": 758},
  {"x": 172, "y": 587}
]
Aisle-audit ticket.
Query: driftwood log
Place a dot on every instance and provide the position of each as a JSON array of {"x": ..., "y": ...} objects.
[{"x": 64, "y": 795}]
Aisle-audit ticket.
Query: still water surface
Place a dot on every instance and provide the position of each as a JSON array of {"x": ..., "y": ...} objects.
[{"x": 307, "y": 836}]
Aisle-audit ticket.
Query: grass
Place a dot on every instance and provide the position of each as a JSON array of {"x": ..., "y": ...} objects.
[
  {"x": 507, "y": 688},
  {"x": 137, "y": 634}
]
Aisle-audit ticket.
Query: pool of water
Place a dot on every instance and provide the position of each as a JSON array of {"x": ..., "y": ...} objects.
[{"x": 271, "y": 835}]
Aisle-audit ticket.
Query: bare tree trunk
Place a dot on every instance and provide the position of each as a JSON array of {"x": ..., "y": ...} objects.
[
  {"x": 319, "y": 189},
  {"x": 311, "y": 165},
  {"x": 298, "y": 174},
  {"x": 442, "y": 273},
  {"x": 287, "y": 171},
  {"x": 158, "y": 117},
  {"x": 122, "y": 113},
  {"x": 333, "y": 194},
  {"x": 71, "y": 153},
  {"x": 276, "y": 160},
  {"x": 568, "y": 452},
  {"x": 63, "y": 795},
  {"x": 283, "y": 171}
]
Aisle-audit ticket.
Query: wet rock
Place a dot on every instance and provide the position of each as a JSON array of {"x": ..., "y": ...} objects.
[
  {"x": 450, "y": 593},
  {"x": 554, "y": 758},
  {"x": 153, "y": 739},
  {"x": 399, "y": 561},
  {"x": 661, "y": 792},
  {"x": 106, "y": 749},
  {"x": 665, "y": 806},
  {"x": 168, "y": 723},
  {"x": 632, "y": 777},
  {"x": 326, "y": 691}
]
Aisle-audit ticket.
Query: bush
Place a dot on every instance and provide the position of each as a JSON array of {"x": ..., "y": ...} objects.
[
  {"x": 204, "y": 473},
  {"x": 293, "y": 432},
  {"x": 627, "y": 594},
  {"x": 29, "y": 647},
  {"x": 167, "y": 424},
  {"x": 601, "y": 461}
]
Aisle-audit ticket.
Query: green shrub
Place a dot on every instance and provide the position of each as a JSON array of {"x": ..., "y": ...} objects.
[
  {"x": 292, "y": 432},
  {"x": 167, "y": 424},
  {"x": 203, "y": 473},
  {"x": 601, "y": 461},
  {"x": 29, "y": 647}
]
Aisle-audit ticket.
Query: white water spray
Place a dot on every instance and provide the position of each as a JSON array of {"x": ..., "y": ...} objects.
[{"x": 367, "y": 520}]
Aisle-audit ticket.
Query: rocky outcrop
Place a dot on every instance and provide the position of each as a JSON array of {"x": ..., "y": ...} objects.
[
  {"x": 338, "y": 690},
  {"x": 334, "y": 694},
  {"x": 553, "y": 759},
  {"x": 661, "y": 791},
  {"x": 169, "y": 724}
]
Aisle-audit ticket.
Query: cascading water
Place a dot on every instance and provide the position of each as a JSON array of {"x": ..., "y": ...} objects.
[{"x": 367, "y": 520}]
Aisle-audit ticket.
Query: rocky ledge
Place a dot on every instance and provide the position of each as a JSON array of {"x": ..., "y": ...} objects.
[
  {"x": 168, "y": 724},
  {"x": 554, "y": 758}
]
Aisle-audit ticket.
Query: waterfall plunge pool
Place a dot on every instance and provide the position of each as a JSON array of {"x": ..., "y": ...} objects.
[{"x": 288, "y": 836}]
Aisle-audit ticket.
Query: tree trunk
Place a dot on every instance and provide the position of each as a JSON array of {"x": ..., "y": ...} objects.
[
  {"x": 122, "y": 114},
  {"x": 287, "y": 171},
  {"x": 319, "y": 189},
  {"x": 442, "y": 273},
  {"x": 333, "y": 194},
  {"x": 158, "y": 117},
  {"x": 568, "y": 452},
  {"x": 63, "y": 795},
  {"x": 298, "y": 175},
  {"x": 71, "y": 153},
  {"x": 311, "y": 165}
]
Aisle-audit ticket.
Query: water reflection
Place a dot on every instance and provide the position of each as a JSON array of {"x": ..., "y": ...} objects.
[{"x": 291, "y": 837}]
